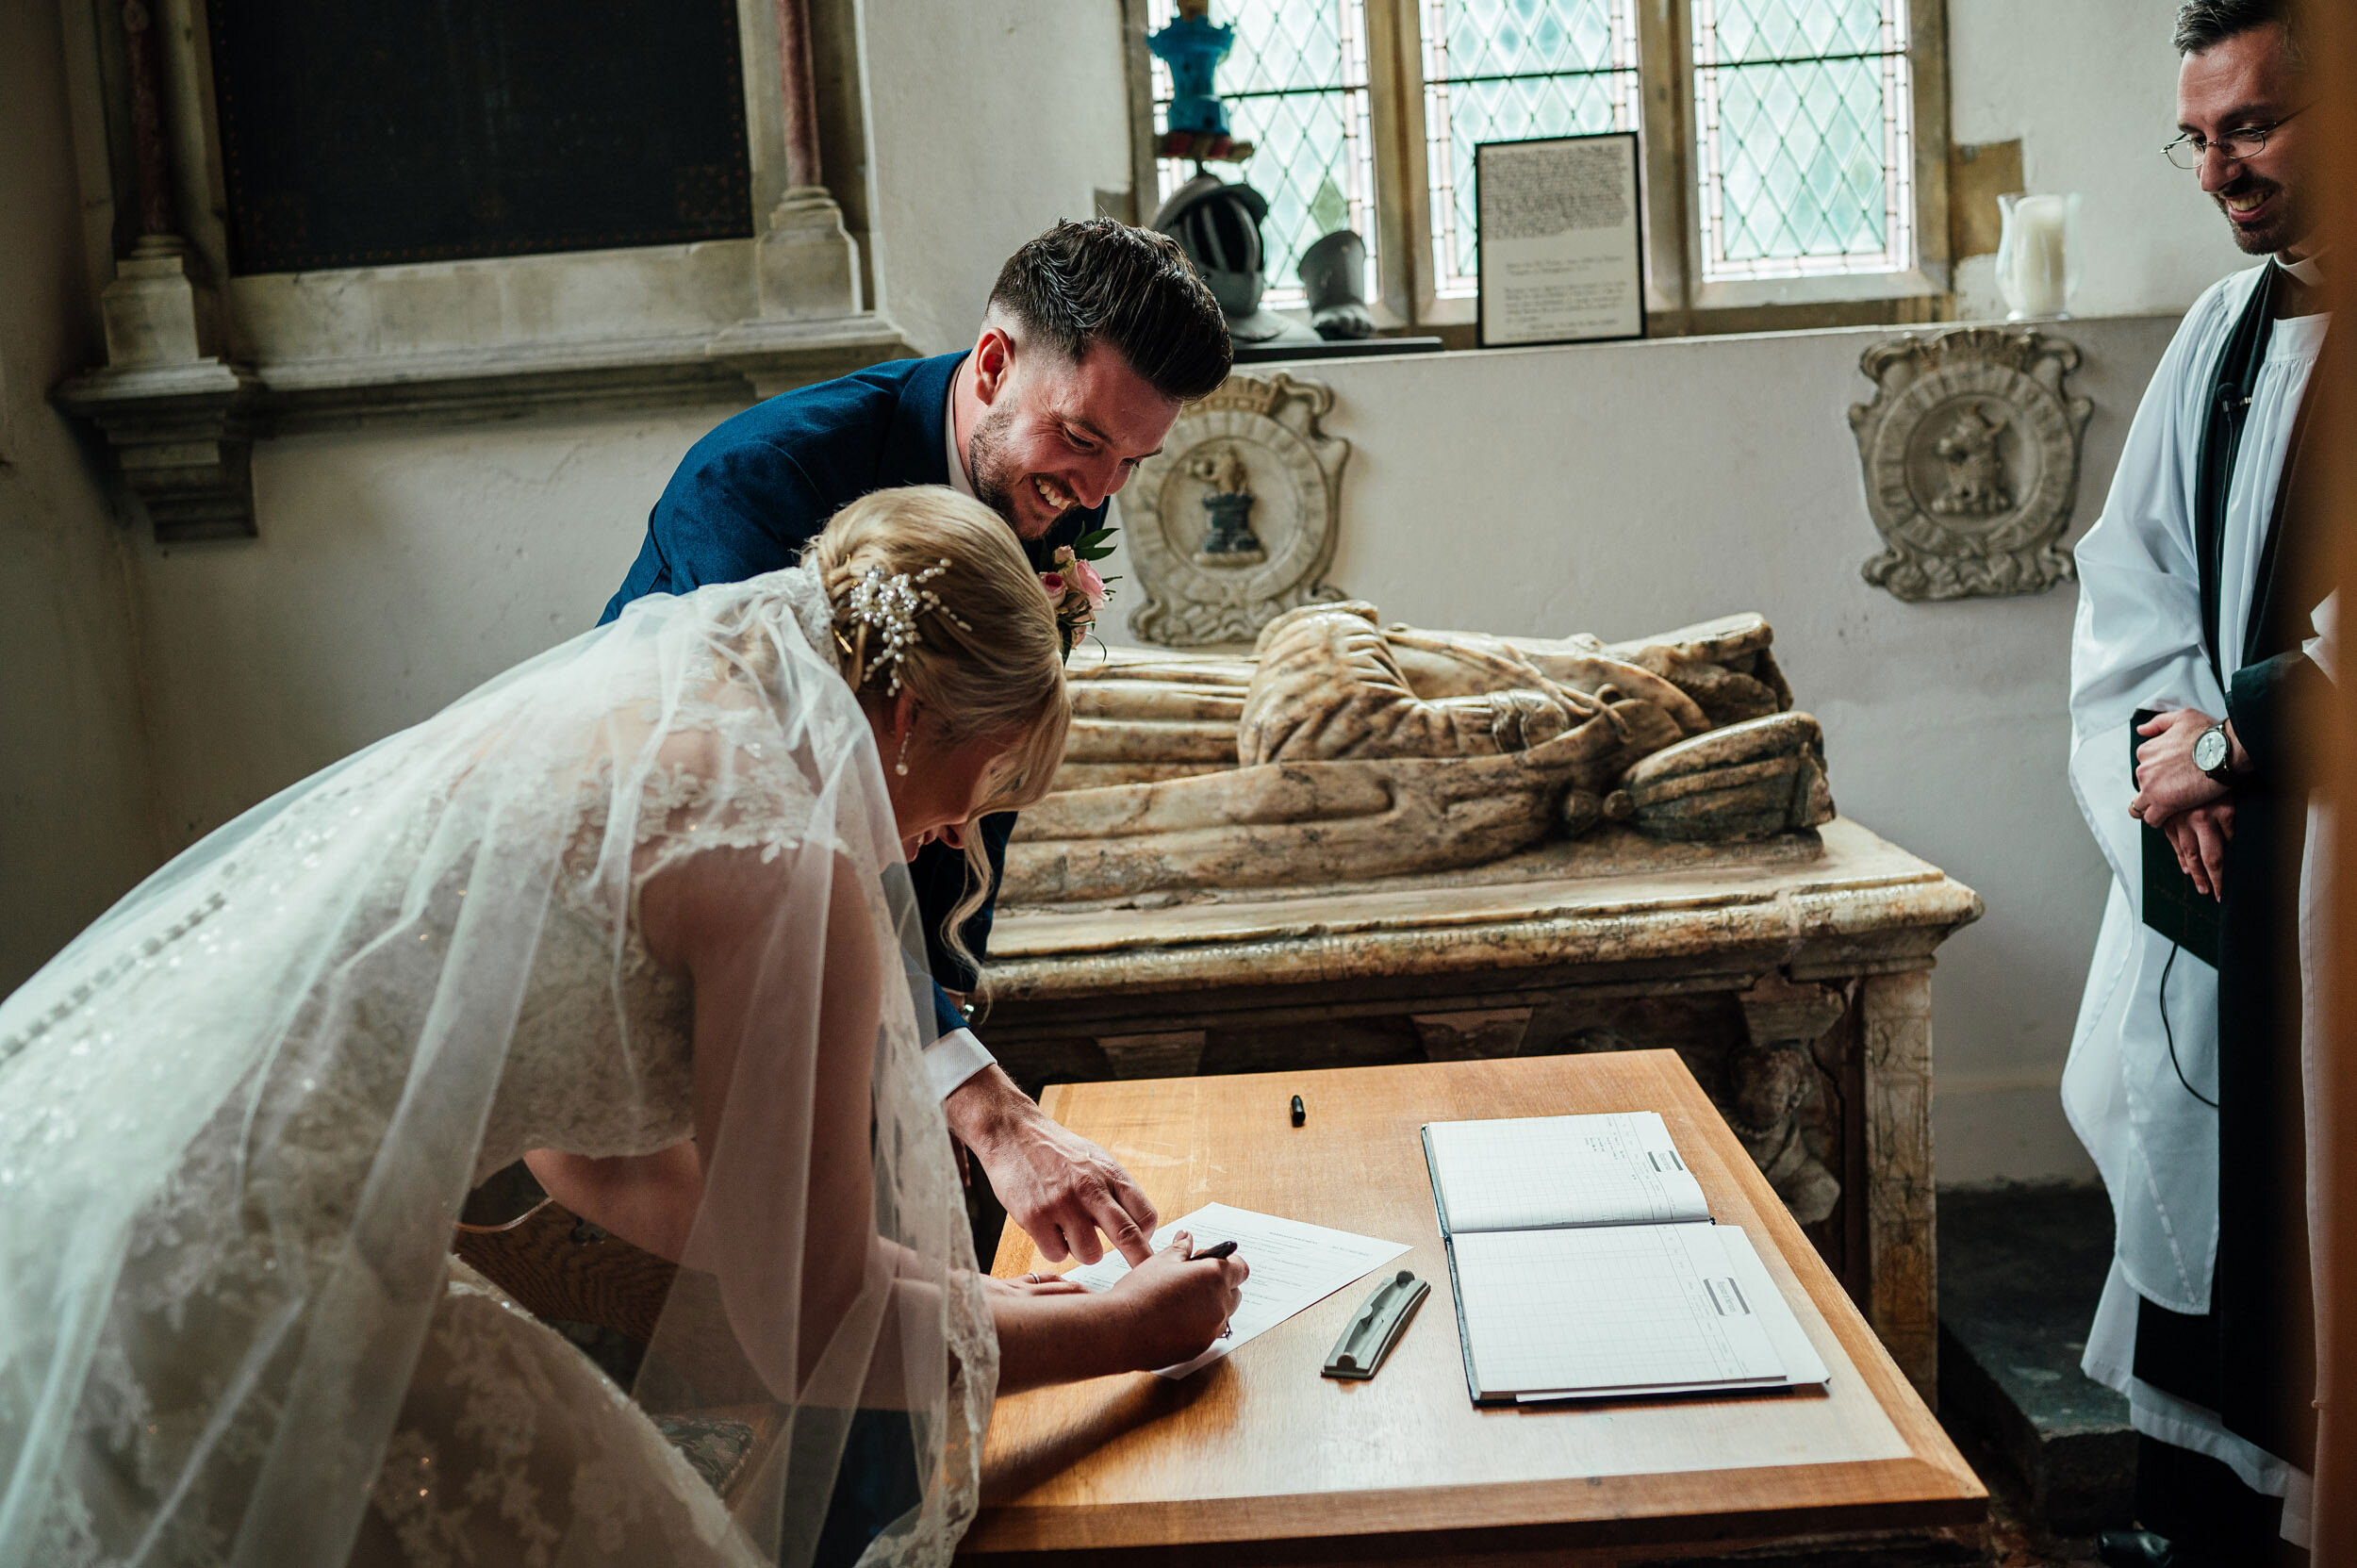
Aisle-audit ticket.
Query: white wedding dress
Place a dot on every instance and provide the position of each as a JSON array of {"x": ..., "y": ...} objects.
[{"x": 238, "y": 1114}]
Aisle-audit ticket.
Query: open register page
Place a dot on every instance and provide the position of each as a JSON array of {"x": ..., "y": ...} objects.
[{"x": 1586, "y": 1265}]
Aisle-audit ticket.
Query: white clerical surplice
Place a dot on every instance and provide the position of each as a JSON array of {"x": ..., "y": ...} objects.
[{"x": 2134, "y": 1076}]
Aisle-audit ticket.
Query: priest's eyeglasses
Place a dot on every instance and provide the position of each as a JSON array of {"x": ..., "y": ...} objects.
[{"x": 2186, "y": 152}]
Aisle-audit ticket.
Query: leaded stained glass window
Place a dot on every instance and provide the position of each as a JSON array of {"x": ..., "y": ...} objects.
[
  {"x": 1799, "y": 163},
  {"x": 1802, "y": 138},
  {"x": 1508, "y": 71},
  {"x": 1295, "y": 86}
]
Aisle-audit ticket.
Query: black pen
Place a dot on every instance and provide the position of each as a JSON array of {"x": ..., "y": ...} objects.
[{"x": 1217, "y": 1249}]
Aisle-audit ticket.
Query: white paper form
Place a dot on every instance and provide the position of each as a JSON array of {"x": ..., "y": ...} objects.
[
  {"x": 1529, "y": 1173},
  {"x": 1654, "y": 1308},
  {"x": 1294, "y": 1266}
]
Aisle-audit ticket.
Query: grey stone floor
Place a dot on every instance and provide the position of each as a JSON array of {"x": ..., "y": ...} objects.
[{"x": 2020, "y": 1267}]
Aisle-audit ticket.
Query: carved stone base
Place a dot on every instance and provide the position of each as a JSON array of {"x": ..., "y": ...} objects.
[
  {"x": 1904, "y": 1304},
  {"x": 181, "y": 436},
  {"x": 1771, "y": 1081},
  {"x": 155, "y": 312},
  {"x": 1470, "y": 1036},
  {"x": 1172, "y": 1053},
  {"x": 809, "y": 264}
]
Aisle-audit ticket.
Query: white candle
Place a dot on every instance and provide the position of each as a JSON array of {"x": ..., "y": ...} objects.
[{"x": 2041, "y": 228}]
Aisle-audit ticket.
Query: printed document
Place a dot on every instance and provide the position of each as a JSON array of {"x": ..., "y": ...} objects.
[{"x": 1294, "y": 1265}]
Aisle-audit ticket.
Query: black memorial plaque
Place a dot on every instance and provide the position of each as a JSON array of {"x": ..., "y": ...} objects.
[{"x": 358, "y": 134}]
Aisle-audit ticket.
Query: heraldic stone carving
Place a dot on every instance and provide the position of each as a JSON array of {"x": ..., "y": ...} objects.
[
  {"x": 1971, "y": 455},
  {"x": 1232, "y": 523}
]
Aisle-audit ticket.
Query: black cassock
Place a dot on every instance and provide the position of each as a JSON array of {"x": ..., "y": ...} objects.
[{"x": 2251, "y": 1357}]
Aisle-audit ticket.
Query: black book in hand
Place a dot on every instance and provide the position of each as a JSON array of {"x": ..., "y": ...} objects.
[{"x": 2172, "y": 906}]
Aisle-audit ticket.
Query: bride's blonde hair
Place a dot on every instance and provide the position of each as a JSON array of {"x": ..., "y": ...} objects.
[{"x": 986, "y": 660}]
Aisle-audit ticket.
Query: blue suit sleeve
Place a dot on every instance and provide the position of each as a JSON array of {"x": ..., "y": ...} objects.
[
  {"x": 996, "y": 830},
  {"x": 946, "y": 1014},
  {"x": 939, "y": 873},
  {"x": 736, "y": 512}
]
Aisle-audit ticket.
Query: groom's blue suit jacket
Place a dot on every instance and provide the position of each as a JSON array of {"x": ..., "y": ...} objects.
[{"x": 750, "y": 494}]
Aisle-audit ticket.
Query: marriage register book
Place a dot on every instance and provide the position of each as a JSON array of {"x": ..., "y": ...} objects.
[{"x": 1586, "y": 1266}]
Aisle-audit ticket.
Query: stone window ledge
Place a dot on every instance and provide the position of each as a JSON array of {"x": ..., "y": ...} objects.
[
  {"x": 195, "y": 374},
  {"x": 183, "y": 431},
  {"x": 751, "y": 360}
]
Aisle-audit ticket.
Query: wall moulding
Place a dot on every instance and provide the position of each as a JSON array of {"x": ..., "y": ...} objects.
[
  {"x": 1970, "y": 450},
  {"x": 153, "y": 414}
]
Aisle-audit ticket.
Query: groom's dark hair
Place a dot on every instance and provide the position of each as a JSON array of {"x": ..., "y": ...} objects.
[
  {"x": 2203, "y": 25},
  {"x": 1098, "y": 280}
]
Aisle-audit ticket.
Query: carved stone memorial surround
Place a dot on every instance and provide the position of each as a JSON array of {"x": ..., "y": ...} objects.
[
  {"x": 1971, "y": 450},
  {"x": 1233, "y": 523}
]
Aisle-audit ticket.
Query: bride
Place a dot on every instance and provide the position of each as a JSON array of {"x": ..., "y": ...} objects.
[{"x": 636, "y": 911}]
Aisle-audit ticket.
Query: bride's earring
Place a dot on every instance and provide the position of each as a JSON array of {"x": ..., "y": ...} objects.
[{"x": 900, "y": 764}]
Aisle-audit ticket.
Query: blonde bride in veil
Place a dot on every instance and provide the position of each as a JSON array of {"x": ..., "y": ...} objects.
[{"x": 636, "y": 910}]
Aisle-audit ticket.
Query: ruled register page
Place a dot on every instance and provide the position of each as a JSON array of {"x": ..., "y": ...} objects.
[{"x": 1585, "y": 1265}]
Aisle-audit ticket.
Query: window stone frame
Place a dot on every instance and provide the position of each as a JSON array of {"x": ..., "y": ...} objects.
[{"x": 201, "y": 363}]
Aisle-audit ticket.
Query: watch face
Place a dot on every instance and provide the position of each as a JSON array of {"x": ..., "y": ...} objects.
[{"x": 2209, "y": 750}]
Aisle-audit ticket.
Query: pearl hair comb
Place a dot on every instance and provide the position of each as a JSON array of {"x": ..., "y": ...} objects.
[{"x": 889, "y": 606}]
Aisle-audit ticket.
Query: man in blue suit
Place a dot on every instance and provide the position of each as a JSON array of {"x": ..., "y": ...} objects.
[{"x": 1095, "y": 334}]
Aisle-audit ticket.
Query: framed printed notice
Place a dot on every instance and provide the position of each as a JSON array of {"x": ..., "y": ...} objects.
[{"x": 1559, "y": 225}]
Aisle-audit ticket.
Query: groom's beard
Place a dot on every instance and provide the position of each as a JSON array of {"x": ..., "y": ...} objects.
[
  {"x": 986, "y": 465},
  {"x": 997, "y": 483}
]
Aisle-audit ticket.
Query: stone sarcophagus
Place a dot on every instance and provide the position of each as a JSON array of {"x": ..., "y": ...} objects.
[{"x": 1368, "y": 843}]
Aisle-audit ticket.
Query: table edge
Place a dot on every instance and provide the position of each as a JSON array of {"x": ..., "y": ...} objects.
[{"x": 1612, "y": 1510}]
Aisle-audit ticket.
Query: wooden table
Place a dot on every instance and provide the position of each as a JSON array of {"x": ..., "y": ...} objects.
[{"x": 1259, "y": 1458}]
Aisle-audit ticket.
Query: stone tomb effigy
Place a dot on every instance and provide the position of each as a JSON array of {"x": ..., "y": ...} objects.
[{"x": 1367, "y": 844}]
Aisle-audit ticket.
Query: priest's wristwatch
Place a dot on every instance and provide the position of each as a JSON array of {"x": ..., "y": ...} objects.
[{"x": 2213, "y": 754}]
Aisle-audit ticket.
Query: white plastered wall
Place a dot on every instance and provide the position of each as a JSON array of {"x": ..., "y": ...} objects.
[
  {"x": 1620, "y": 489},
  {"x": 989, "y": 122},
  {"x": 76, "y": 825},
  {"x": 2090, "y": 89}
]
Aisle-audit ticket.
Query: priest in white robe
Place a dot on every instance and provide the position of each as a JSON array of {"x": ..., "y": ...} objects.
[{"x": 2188, "y": 585}]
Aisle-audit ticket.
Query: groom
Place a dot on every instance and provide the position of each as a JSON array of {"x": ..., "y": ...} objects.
[{"x": 1095, "y": 334}]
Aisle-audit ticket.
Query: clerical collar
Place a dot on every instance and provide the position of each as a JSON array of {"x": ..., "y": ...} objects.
[
  {"x": 959, "y": 479},
  {"x": 2308, "y": 272}
]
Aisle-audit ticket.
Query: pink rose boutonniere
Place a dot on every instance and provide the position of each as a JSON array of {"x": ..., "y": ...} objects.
[{"x": 1074, "y": 589}]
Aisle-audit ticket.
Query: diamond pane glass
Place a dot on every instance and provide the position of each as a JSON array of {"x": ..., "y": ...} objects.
[
  {"x": 1508, "y": 70},
  {"x": 1797, "y": 29},
  {"x": 1296, "y": 85},
  {"x": 1802, "y": 138}
]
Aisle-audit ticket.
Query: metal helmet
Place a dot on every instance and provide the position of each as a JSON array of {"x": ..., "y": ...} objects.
[{"x": 1218, "y": 225}]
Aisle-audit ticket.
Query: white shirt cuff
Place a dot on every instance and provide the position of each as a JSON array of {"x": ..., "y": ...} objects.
[{"x": 954, "y": 1058}]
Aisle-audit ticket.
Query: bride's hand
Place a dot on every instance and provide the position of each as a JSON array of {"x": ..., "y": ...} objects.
[{"x": 1172, "y": 1307}]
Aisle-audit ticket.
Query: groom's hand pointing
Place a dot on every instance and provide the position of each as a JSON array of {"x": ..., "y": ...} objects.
[{"x": 1061, "y": 1188}]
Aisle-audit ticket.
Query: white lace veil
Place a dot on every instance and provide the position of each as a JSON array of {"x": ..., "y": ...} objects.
[{"x": 238, "y": 1114}]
